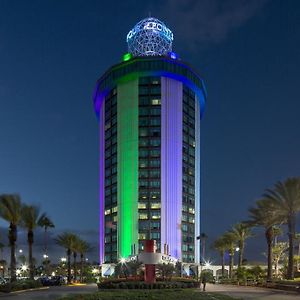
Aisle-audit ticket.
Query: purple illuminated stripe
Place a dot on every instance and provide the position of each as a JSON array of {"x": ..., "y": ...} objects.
[
  {"x": 102, "y": 180},
  {"x": 171, "y": 165}
]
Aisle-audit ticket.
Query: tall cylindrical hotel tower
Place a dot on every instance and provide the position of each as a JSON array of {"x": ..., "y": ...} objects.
[{"x": 149, "y": 108}]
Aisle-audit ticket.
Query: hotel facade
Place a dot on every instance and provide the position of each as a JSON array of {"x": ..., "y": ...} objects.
[{"x": 149, "y": 108}]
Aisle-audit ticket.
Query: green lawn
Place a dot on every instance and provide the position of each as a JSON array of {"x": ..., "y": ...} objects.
[{"x": 149, "y": 295}]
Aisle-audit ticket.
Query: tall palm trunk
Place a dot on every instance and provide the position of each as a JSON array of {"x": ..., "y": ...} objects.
[
  {"x": 45, "y": 241},
  {"x": 223, "y": 264},
  {"x": 30, "y": 258},
  {"x": 241, "y": 253},
  {"x": 291, "y": 235},
  {"x": 269, "y": 238},
  {"x": 231, "y": 255},
  {"x": 69, "y": 265},
  {"x": 12, "y": 236},
  {"x": 75, "y": 265},
  {"x": 81, "y": 267}
]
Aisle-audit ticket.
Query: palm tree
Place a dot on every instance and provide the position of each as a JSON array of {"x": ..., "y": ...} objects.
[
  {"x": 230, "y": 242},
  {"x": 241, "y": 232},
  {"x": 82, "y": 247},
  {"x": 221, "y": 246},
  {"x": 67, "y": 240},
  {"x": 45, "y": 222},
  {"x": 297, "y": 237},
  {"x": 30, "y": 216},
  {"x": 10, "y": 211},
  {"x": 286, "y": 196},
  {"x": 264, "y": 215},
  {"x": 74, "y": 250}
]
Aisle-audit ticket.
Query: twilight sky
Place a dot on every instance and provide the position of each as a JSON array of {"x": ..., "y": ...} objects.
[{"x": 52, "y": 53}]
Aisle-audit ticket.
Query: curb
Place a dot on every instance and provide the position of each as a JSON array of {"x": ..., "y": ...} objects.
[{"x": 5, "y": 294}]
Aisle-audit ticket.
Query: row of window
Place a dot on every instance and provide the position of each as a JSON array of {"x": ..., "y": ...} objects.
[
  {"x": 144, "y": 205},
  {"x": 153, "y": 215}
]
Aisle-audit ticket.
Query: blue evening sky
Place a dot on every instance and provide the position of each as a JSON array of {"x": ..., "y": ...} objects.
[{"x": 52, "y": 53}]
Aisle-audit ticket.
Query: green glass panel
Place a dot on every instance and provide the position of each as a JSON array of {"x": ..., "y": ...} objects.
[{"x": 127, "y": 166}]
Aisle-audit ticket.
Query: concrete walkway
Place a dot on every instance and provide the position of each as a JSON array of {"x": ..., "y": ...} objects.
[{"x": 257, "y": 293}]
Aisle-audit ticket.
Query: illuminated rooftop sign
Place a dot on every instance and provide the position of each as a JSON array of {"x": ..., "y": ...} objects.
[{"x": 150, "y": 37}]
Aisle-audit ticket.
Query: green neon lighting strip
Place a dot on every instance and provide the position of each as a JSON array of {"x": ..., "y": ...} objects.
[
  {"x": 127, "y": 56},
  {"x": 127, "y": 106}
]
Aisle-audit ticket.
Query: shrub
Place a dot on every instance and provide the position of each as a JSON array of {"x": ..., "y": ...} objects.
[{"x": 20, "y": 285}]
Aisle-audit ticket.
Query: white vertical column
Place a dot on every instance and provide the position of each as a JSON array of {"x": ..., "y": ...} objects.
[{"x": 171, "y": 165}]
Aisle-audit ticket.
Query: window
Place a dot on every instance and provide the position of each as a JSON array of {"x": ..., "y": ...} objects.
[
  {"x": 184, "y": 227},
  {"x": 155, "y": 205},
  {"x": 155, "y": 111},
  {"x": 191, "y": 210},
  {"x": 155, "y": 235},
  {"x": 143, "y": 225},
  {"x": 143, "y": 163},
  {"x": 143, "y": 216},
  {"x": 142, "y": 236},
  {"x": 154, "y": 173},
  {"x": 143, "y": 153},
  {"x": 154, "y": 163},
  {"x": 142, "y": 205},
  {"x": 155, "y": 184},
  {"x": 155, "y": 225},
  {"x": 155, "y": 214},
  {"x": 143, "y": 183},
  {"x": 155, "y": 101},
  {"x": 155, "y": 122},
  {"x": 155, "y": 142}
]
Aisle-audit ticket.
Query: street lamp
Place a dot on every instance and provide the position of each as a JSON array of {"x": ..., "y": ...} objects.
[{"x": 122, "y": 260}]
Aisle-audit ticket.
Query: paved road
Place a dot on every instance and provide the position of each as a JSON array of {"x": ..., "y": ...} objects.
[
  {"x": 53, "y": 293},
  {"x": 246, "y": 293}
]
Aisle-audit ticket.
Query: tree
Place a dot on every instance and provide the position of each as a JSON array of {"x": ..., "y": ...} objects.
[
  {"x": 2, "y": 267},
  {"x": 10, "y": 211},
  {"x": 286, "y": 196},
  {"x": 230, "y": 242},
  {"x": 279, "y": 250},
  {"x": 45, "y": 222},
  {"x": 82, "y": 247},
  {"x": 298, "y": 255},
  {"x": 134, "y": 267},
  {"x": 241, "y": 232},
  {"x": 67, "y": 240},
  {"x": 221, "y": 246},
  {"x": 29, "y": 220},
  {"x": 264, "y": 215}
]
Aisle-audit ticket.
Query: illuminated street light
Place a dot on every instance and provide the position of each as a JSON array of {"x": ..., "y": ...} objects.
[
  {"x": 24, "y": 268},
  {"x": 63, "y": 259},
  {"x": 45, "y": 256},
  {"x": 122, "y": 260},
  {"x": 207, "y": 264},
  {"x": 20, "y": 251},
  {"x": 237, "y": 249}
]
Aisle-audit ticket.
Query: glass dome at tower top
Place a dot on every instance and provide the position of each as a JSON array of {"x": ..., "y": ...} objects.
[{"x": 150, "y": 37}]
